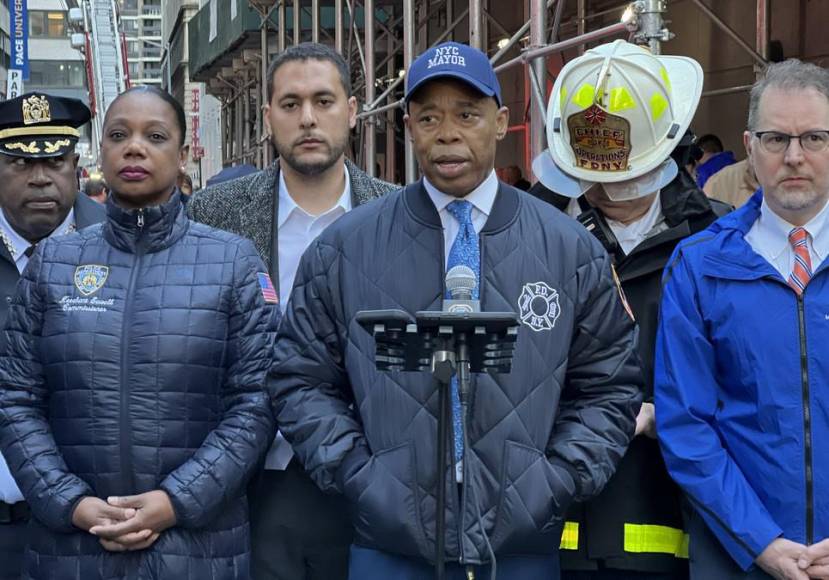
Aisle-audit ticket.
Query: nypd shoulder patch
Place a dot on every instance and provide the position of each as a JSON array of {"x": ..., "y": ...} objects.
[{"x": 90, "y": 278}]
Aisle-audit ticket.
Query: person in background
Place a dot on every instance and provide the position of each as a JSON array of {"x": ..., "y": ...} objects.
[
  {"x": 95, "y": 188},
  {"x": 516, "y": 178},
  {"x": 132, "y": 366},
  {"x": 712, "y": 158},
  {"x": 734, "y": 184},
  {"x": 741, "y": 374},
  {"x": 299, "y": 533},
  {"x": 550, "y": 431},
  {"x": 38, "y": 200},
  {"x": 231, "y": 172},
  {"x": 185, "y": 184}
]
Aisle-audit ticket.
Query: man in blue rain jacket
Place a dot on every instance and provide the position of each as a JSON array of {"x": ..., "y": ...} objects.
[{"x": 741, "y": 372}]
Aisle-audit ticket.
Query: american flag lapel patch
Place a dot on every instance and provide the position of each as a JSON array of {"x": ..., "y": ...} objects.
[{"x": 268, "y": 291}]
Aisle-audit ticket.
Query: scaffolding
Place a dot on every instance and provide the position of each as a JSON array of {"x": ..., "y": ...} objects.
[{"x": 380, "y": 38}]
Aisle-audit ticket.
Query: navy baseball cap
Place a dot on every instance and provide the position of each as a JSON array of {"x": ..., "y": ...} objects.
[{"x": 454, "y": 60}]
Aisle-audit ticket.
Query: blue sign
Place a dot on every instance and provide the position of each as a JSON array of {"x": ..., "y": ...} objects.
[{"x": 20, "y": 36}]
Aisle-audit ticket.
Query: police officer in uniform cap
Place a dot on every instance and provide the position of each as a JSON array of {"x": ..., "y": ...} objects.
[{"x": 38, "y": 199}]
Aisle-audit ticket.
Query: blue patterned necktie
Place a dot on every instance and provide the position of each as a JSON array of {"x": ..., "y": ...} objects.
[{"x": 464, "y": 252}]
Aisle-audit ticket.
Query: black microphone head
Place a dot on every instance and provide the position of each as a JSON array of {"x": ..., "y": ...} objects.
[{"x": 460, "y": 282}]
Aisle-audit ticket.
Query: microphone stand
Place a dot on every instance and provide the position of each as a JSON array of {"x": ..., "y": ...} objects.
[{"x": 444, "y": 344}]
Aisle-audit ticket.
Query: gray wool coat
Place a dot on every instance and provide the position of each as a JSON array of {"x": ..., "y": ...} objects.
[{"x": 248, "y": 206}]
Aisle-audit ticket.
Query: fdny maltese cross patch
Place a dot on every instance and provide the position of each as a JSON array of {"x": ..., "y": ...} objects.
[
  {"x": 538, "y": 306},
  {"x": 90, "y": 278}
]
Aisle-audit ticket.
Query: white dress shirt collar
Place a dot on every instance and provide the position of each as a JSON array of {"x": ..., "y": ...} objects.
[
  {"x": 287, "y": 205},
  {"x": 17, "y": 244},
  {"x": 482, "y": 197},
  {"x": 631, "y": 235},
  {"x": 775, "y": 233}
]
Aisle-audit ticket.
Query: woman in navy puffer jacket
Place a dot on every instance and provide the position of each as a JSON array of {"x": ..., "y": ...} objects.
[{"x": 132, "y": 409}]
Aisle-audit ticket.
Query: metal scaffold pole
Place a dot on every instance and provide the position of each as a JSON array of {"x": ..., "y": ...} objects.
[
  {"x": 476, "y": 25},
  {"x": 297, "y": 21},
  {"x": 370, "y": 123},
  {"x": 391, "y": 137},
  {"x": 282, "y": 24},
  {"x": 408, "y": 57},
  {"x": 338, "y": 26},
  {"x": 762, "y": 34},
  {"x": 538, "y": 70}
]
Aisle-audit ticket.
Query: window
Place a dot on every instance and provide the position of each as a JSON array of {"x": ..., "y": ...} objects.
[
  {"x": 56, "y": 24},
  {"x": 130, "y": 27},
  {"x": 154, "y": 30},
  {"x": 44, "y": 24},
  {"x": 37, "y": 27},
  {"x": 151, "y": 51},
  {"x": 134, "y": 69},
  {"x": 132, "y": 49},
  {"x": 129, "y": 6},
  {"x": 6, "y": 49},
  {"x": 52, "y": 73}
]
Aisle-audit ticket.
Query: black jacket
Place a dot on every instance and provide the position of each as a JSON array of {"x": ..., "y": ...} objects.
[
  {"x": 134, "y": 359},
  {"x": 641, "y": 493},
  {"x": 551, "y": 430}
]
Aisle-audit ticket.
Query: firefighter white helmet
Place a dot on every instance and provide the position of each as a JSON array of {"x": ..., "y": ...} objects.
[{"x": 615, "y": 115}]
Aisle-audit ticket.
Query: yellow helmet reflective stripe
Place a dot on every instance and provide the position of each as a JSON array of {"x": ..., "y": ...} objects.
[{"x": 620, "y": 99}]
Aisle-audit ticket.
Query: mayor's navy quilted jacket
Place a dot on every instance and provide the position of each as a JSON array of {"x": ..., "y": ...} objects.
[
  {"x": 134, "y": 359},
  {"x": 553, "y": 429}
]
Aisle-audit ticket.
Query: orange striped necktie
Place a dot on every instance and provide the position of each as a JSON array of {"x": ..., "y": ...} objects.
[{"x": 802, "y": 269}]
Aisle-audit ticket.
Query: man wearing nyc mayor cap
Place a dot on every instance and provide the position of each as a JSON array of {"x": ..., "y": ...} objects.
[
  {"x": 619, "y": 102},
  {"x": 550, "y": 431},
  {"x": 38, "y": 199}
]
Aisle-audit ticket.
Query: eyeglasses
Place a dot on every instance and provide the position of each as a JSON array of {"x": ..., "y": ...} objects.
[{"x": 776, "y": 143}]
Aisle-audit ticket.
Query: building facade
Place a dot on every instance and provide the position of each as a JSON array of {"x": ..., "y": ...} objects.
[
  {"x": 202, "y": 110},
  {"x": 5, "y": 45},
  {"x": 141, "y": 25},
  {"x": 54, "y": 66}
]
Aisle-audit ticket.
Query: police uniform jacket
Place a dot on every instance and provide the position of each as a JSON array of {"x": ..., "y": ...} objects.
[
  {"x": 87, "y": 212},
  {"x": 135, "y": 357},
  {"x": 636, "y": 523},
  {"x": 551, "y": 430}
]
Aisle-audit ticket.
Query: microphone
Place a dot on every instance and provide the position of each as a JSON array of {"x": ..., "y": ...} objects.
[{"x": 460, "y": 282}]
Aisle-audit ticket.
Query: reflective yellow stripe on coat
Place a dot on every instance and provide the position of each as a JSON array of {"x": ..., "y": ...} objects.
[
  {"x": 570, "y": 536},
  {"x": 639, "y": 539},
  {"x": 643, "y": 538}
]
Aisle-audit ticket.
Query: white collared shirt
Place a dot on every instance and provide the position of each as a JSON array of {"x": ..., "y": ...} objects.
[
  {"x": 21, "y": 244},
  {"x": 769, "y": 237},
  {"x": 629, "y": 235},
  {"x": 9, "y": 492},
  {"x": 297, "y": 229},
  {"x": 482, "y": 199}
]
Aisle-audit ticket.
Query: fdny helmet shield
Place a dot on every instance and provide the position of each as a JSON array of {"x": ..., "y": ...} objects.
[{"x": 600, "y": 141}]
